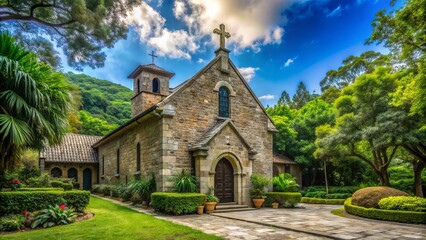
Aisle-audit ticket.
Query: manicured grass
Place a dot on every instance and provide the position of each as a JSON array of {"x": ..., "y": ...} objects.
[{"x": 113, "y": 221}]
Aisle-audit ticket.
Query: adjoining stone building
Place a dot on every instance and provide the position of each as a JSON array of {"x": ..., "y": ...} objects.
[
  {"x": 73, "y": 158},
  {"x": 284, "y": 164}
]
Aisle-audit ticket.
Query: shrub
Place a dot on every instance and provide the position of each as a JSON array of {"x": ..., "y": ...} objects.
[
  {"x": 11, "y": 223},
  {"x": 143, "y": 188},
  {"x": 258, "y": 185},
  {"x": 404, "y": 203},
  {"x": 320, "y": 190},
  {"x": 212, "y": 198},
  {"x": 369, "y": 197},
  {"x": 54, "y": 215},
  {"x": 40, "y": 189},
  {"x": 285, "y": 182},
  {"x": 15, "y": 202},
  {"x": 184, "y": 182},
  {"x": 389, "y": 215},
  {"x": 323, "y": 201},
  {"x": 60, "y": 184},
  {"x": 40, "y": 181},
  {"x": 285, "y": 199},
  {"x": 177, "y": 203}
]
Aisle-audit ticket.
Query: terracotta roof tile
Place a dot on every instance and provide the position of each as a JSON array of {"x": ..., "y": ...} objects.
[{"x": 76, "y": 148}]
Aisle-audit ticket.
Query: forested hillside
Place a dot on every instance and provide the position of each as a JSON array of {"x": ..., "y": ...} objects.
[{"x": 100, "y": 105}]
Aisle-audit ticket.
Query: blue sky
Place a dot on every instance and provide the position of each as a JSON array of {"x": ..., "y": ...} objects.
[{"x": 275, "y": 43}]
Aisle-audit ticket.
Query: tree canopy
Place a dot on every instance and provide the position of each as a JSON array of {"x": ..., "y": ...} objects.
[{"x": 81, "y": 27}]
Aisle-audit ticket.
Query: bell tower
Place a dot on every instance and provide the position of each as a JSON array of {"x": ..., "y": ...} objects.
[{"x": 150, "y": 85}]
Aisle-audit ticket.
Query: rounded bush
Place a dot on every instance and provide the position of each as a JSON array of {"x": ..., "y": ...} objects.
[{"x": 369, "y": 197}]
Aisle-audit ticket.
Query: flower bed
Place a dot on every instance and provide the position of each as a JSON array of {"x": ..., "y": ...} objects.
[{"x": 389, "y": 215}]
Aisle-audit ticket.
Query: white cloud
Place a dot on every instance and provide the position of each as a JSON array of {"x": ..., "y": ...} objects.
[
  {"x": 200, "y": 60},
  {"x": 335, "y": 12},
  {"x": 267, "y": 97},
  {"x": 150, "y": 26},
  {"x": 289, "y": 61},
  {"x": 248, "y": 73}
]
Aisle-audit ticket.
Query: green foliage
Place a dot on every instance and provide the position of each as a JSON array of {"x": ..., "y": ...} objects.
[
  {"x": 323, "y": 201},
  {"x": 11, "y": 223},
  {"x": 54, "y": 215},
  {"x": 389, "y": 215},
  {"x": 403, "y": 203},
  {"x": 15, "y": 202},
  {"x": 104, "y": 189},
  {"x": 27, "y": 86},
  {"x": 24, "y": 189},
  {"x": 184, "y": 182},
  {"x": 212, "y": 198},
  {"x": 177, "y": 203},
  {"x": 81, "y": 28},
  {"x": 40, "y": 181},
  {"x": 94, "y": 126},
  {"x": 258, "y": 185},
  {"x": 60, "y": 184},
  {"x": 285, "y": 182},
  {"x": 284, "y": 199}
]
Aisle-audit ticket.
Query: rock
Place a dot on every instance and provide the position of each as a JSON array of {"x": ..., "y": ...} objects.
[{"x": 369, "y": 197}]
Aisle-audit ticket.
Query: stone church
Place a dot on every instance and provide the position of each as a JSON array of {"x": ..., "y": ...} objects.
[{"x": 212, "y": 123}]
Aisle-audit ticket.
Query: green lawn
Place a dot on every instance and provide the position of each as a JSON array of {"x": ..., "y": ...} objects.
[{"x": 116, "y": 222}]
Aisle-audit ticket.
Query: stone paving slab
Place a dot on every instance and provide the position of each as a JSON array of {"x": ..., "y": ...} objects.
[
  {"x": 310, "y": 222},
  {"x": 317, "y": 219}
]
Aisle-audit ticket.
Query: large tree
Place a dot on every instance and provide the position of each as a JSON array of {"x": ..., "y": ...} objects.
[
  {"x": 34, "y": 100},
  {"x": 301, "y": 97},
  {"x": 81, "y": 27}
]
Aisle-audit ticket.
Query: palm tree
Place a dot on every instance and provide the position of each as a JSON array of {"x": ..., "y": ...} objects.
[{"x": 34, "y": 101}]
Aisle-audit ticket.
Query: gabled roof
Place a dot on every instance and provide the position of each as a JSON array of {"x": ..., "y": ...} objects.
[
  {"x": 74, "y": 148},
  {"x": 204, "y": 141},
  {"x": 280, "y": 158},
  {"x": 152, "y": 68}
]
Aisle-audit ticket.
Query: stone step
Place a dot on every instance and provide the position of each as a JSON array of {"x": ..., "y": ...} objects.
[
  {"x": 230, "y": 206},
  {"x": 232, "y": 210}
]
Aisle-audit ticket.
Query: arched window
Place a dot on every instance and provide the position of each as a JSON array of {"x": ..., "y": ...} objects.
[
  {"x": 223, "y": 102},
  {"x": 72, "y": 173},
  {"x": 155, "y": 85},
  {"x": 56, "y": 172},
  {"x": 138, "y": 157},
  {"x": 139, "y": 85},
  {"x": 118, "y": 161}
]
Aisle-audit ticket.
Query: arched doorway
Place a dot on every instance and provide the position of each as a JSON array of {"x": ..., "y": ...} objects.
[
  {"x": 87, "y": 179},
  {"x": 72, "y": 173},
  {"x": 224, "y": 181}
]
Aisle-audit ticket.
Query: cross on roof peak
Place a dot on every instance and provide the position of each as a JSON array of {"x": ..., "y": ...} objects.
[
  {"x": 223, "y": 34},
  {"x": 153, "y": 56}
]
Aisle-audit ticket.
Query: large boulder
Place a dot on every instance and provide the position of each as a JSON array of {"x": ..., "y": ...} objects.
[{"x": 369, "y": 197}]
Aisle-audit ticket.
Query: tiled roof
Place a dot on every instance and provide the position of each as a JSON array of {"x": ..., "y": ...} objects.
[
  {"x": 279, "y": 158},
  {"x": 75, "y": 148},
  {"x": 150, "y": 68},
  {"x": 213, "y": 131}
]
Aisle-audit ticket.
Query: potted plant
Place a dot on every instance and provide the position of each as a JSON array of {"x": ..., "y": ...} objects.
[
  {"x": 200, "y": 209},
  {"x": 210, "y": 204},
  {"x": 258, "y": 185}
]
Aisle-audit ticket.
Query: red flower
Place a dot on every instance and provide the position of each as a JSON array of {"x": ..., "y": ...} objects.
[
  {"x": 24, "y": 212},
  {"x": 15, "y": 181},
  {"x": 63, "y": 207}
]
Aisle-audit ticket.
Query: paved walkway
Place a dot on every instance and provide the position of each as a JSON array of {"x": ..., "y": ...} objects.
[{"x": 310, "y": 222}]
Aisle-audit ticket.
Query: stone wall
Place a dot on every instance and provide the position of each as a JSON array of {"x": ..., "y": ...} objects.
[
  {"x": 148, "y": 134},
  {"x": 80, "y": 167}
]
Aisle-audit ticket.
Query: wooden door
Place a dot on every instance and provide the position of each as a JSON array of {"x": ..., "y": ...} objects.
[
  {"x": 87, "y": 179},
  {"x": 224, "y": 181}
]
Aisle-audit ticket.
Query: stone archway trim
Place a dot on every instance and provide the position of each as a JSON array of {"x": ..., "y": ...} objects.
[{"x": 227, "y": 85}]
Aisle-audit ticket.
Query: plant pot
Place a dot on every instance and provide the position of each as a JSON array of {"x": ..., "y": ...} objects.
[
  {"x": 257, "y": 202},
  {"x": 275, "y": 205},
  {"x": 210, "y": 206},
  {"x": 200, "y": 209}
]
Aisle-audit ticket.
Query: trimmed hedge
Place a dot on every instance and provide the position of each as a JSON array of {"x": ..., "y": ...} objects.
[
  {"x": 285, "y": 199},
  {"x": 321, "y": 194},
  {"x": 403, "y": 203},
  {"x": 177, "y": 203},
  {"x": 388, "y": 215},
  {"x": 60, "y": 184},
  {"x": 16, "y": 202},
  {"x": 39, "y": 189},
  {"x": 323, "y": 201}
]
